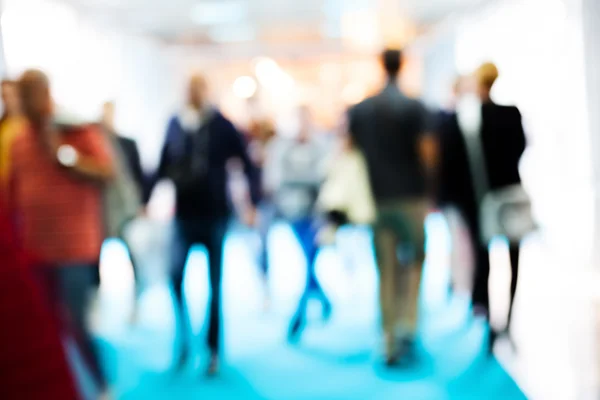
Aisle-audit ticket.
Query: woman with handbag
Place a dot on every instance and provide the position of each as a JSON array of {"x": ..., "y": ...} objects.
[{"x": 481, "y": 146}]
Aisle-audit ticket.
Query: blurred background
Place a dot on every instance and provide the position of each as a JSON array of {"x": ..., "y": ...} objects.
[{"x": 264, "y": 58}]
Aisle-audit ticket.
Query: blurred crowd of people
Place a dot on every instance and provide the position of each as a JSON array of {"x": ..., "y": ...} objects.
[{"x": 67, "y": 185}]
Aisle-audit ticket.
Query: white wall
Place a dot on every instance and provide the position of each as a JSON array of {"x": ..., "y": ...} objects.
[
  {"x": 440, "y": 70},
  {"x": 90, "y": 64}
]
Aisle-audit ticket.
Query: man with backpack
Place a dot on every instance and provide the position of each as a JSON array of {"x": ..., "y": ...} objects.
[{"x": 199, "y": 143}]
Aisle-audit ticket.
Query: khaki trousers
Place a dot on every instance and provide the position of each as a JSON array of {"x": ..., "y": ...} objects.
[{"x": 399, "y": 238}]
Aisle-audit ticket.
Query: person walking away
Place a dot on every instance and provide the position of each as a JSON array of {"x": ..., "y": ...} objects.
[
  {"x": 499, "y": 131},
  {"x": 199, "y": 143},
  {"x": 12, "y": 124},
  {"x": 392, "y": 131},
  {"x": 56, "y": 181},
  {"x": 294, "y": 172},
  {"x": 123, "y": 197}
]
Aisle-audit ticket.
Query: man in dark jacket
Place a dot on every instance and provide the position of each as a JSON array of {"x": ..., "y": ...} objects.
[
  {"x": 391, "y": 131},
  {"x": 199, "y": 143}
]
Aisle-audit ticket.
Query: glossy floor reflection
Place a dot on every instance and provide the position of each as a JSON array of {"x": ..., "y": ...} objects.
[{"x": 337, "y": 360}]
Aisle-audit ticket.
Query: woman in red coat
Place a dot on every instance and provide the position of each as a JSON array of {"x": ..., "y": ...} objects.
[{"x": 33, "y": 364}]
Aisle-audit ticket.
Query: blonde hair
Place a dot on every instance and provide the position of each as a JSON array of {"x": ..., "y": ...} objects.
[{"x": 487, "y": 74}]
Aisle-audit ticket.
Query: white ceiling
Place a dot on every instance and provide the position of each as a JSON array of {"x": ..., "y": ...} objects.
[
  {"x": 218, "y": 18},
  {"x": 206, "y": 21}
]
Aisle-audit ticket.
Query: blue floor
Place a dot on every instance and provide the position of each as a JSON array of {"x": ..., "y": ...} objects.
[{"x": 337, "y": 360}]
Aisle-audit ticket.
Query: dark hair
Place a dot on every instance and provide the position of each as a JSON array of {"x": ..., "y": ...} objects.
[{"x": 391, "y": 60}]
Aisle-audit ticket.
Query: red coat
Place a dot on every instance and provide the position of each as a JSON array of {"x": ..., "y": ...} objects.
[{"x": 33, "y": 364}]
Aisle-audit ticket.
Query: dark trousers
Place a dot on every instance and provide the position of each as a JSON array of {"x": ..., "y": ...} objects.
[
  {"x": 68, "y": 290},
  {"x": 306, "y": 231},
  {"x": 480, "y": 294},
  {"x": 211, "y": 234}
]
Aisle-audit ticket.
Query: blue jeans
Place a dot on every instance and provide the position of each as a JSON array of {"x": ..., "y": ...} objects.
[
  {"x": 267, "y": 215},
  {"x": 306, "y": 230}
]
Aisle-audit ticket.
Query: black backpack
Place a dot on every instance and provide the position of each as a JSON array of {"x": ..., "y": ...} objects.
[{"x": 189, "y": 166}]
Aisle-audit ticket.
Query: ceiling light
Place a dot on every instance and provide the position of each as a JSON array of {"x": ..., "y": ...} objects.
[
  {"x": 361, "y": 30},
  {"x": 335, "y": 8},
  {"x": 218, "y": 12},
  {"x": 244, "y": 87},
  {"x": 266, "y": 69},
  {"x": 272, "y": 77}
]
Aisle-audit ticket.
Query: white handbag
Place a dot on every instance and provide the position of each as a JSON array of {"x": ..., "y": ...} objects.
[
  {"x": 506, "y": 212},
  {"x": 503, "y": 212},
  {"x": 347, "y": 188}
]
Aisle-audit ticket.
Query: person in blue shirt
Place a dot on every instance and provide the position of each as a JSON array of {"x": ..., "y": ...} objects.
[{"x": 295, "y": 168}]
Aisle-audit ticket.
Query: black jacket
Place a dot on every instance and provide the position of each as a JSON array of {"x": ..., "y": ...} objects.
[
  {"x": 208, "y": 199},
  {"x": 503, "y": 142},
  {"x": 132, "y": 158},
  {"x": 387, "y": 128}
]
